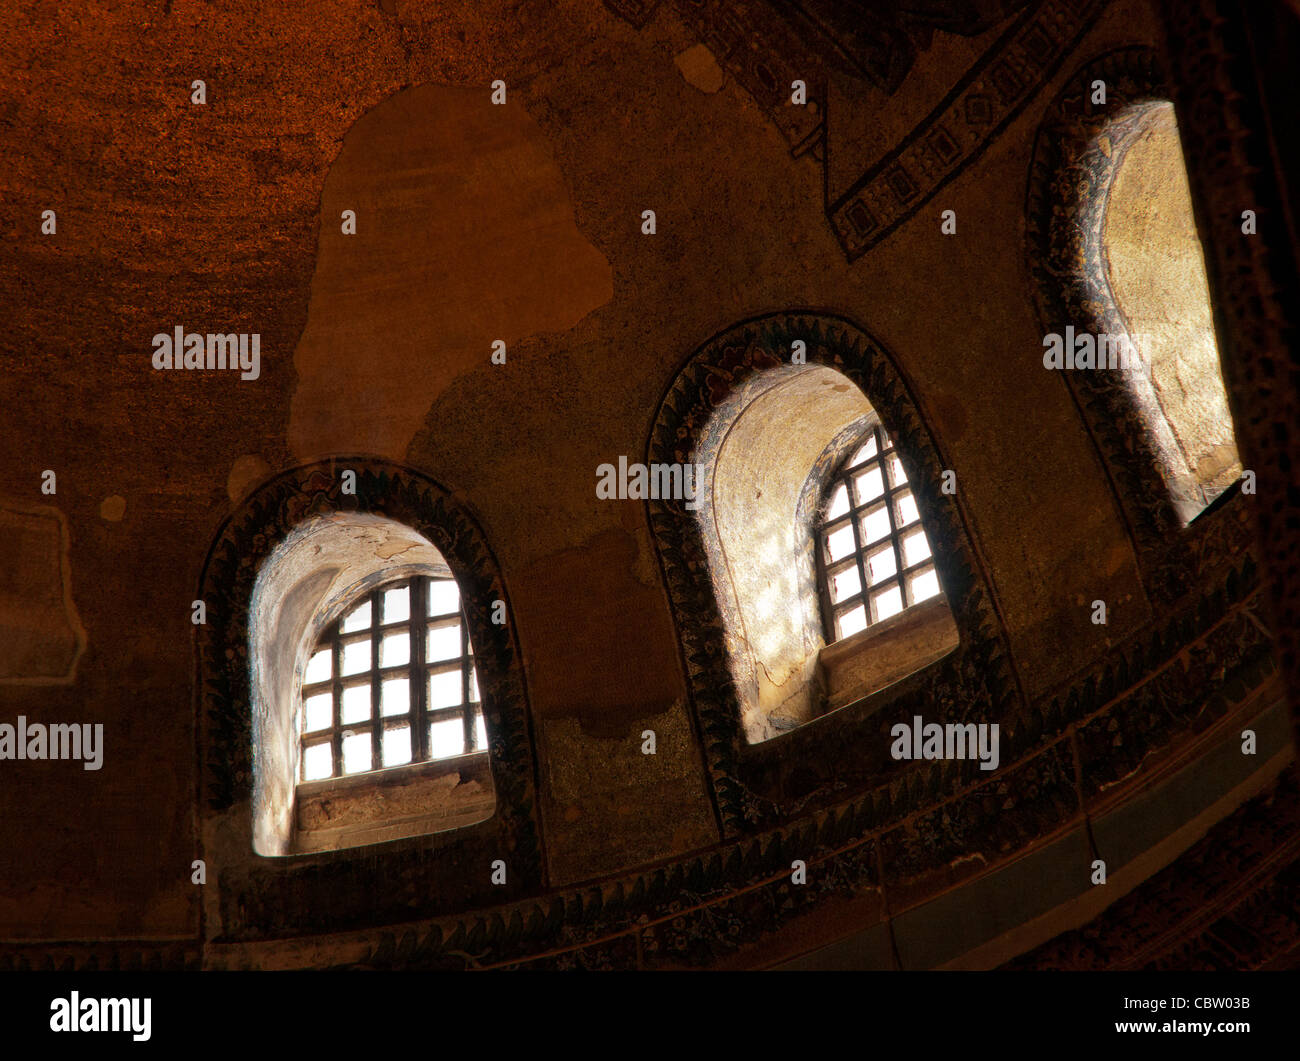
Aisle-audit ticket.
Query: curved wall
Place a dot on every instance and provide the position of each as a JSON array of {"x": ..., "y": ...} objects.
[{"x": 212, "y": 218}]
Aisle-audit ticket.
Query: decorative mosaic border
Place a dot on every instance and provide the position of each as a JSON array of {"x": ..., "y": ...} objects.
[
  {"x": 963, "y": 125},
  {"x": 765, "y": 53},
  {"x": 925, "y": 831},
  {"x": 301, "y": 893},
  {"x": 1206, "y": 661},
  {"x": 128, "y": 956},
  {"x": 1231, "y": 903},
  {"x": 1077, "y": 151},
  {"x": 757, "y": 785}
]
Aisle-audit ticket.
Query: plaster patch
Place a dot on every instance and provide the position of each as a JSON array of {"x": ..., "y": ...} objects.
[
  {"x": 41, "y": 636},
  {"x": 658, "y": 802},
  {"x": 591, "y": 598},
  {"x": 949, "y": 413},
  {"x": 700, "y": 68},
  {"x": 644, "y": 568},
  {"x": 465, "y": 234},
  {"x": 113, "y": 508},
  {"x": 1118, "y": 557}
]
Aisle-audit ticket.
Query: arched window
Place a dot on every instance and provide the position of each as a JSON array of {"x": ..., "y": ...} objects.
[
  {"x": 766, "y": 412},
  {"x": 1155, "y": 271},
  {"x": 298, "y": 555},
  {"x": 1124, "y": 299},
  {"x": 778, "y": 529},
  {"x": 368, "y": 721}
]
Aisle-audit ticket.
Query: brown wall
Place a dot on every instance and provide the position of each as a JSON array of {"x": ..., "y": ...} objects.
[{"x": 475, "y": 223}]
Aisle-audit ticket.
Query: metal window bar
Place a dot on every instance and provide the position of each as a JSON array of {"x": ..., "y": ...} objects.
[
  {"x": 904, "y": 576},
  {"x": 418, "y": 671}
]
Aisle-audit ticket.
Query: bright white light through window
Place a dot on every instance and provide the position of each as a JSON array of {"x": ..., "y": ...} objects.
[
  {"x": 405, "y": 690},
  {"x": 874, "y": 559}
]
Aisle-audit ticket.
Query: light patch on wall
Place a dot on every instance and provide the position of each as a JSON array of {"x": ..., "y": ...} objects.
[
  {"x": 41, "y": 636},
  {"x": 113, "y": 508},
  {"x": 700, "y": 68},
  {"x": 644, "y": 568},
  {"x": 465, "y": 235},
  {"x": 1157, "y": 274},
  {"x": 760, "y": 470}
]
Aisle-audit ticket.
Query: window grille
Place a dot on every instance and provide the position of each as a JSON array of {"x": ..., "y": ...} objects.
[
  {"x": 392, "y": 682},
  {"x": 873, "y": 556}
]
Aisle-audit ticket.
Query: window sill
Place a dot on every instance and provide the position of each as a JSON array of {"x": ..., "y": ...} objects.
[
  {"x": 392, "y": 804},
  {"x": 889, "y": 651}
]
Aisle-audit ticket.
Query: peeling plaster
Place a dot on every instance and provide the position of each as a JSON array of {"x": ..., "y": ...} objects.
[{"x": 465, "y": 234}]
